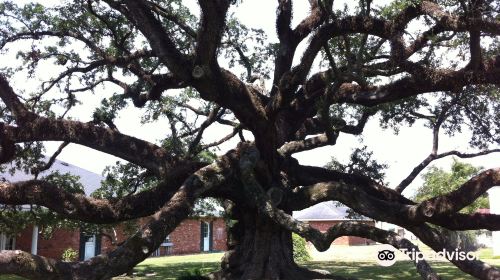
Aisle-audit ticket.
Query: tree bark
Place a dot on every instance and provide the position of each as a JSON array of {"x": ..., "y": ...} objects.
[{"x": 258, "y": 248}]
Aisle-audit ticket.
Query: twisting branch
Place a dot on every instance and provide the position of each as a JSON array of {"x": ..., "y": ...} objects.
[
  {"x": 20, "y": 112},
  {"x": 457, "y": 199},
  {"x": 102, "y": 139},
  {"x": 93, "y": 210},
  {"x": 212, "y": 22},
  {"x": 430, "y": 158},
  {"x": 37, "y": 170},
  {"x": 322, "y": 241},
  {"x": 235, "y": 131},
  {"x": 313, "y": 126},
  {"x": 136, "y": 248},
  {"x": 308, "y": 144},
  {"x": 313, "y": 191},
  {"x": 139, "y": 13},
  {"x": 381, "y": 203},
  {"x": 439, "y": 241},
  {"x": 110, "y": 141},
  {"x": 436, "y": 123},
  {"x": 289, "y": 40},
  {"x": 215, "y": 114},
  {"x": 173, "y": 18}
]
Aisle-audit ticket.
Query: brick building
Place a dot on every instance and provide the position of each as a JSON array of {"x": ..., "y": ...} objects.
[
  {"x": 191, "y": 236},
  {"x": 324, "y": 215},
  {"x": 204, "y": 234}
]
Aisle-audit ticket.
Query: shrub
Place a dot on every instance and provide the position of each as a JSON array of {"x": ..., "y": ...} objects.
[
  {"x": 300, "y": 252},
  {"x": 69, "y": 255},
  {"x": 193, "y": 274}
]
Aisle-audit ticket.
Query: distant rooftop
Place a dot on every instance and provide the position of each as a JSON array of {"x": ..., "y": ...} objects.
[
  {"x": 483, "y": 211},
  {"x": 324, "y": 211},
  {"x": 90, "y": 180}
]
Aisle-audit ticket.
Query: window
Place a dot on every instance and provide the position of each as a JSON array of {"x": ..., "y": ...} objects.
[
  {"x": 163, "y": 250},
  {"x": 167, "y": 241},
  {"x": 204, "y": 229},
  {"x": 10, "y": 244},
  {"x": 156, "y": 253},
  {"x": 7, "y": 242},
  {"x": 168, "y": 250}
]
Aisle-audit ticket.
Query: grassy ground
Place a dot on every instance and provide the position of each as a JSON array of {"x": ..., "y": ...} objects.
[{"x": 354, "y": 261}]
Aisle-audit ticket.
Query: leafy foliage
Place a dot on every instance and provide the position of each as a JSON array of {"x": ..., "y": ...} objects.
[
  {"x": 14, "y": 219},
  {"x": 361, "y": 163},
  {"x": 438, "y": 182},
  {"x": 300, "y": 252},
  {"x": 69, "y": 255},
  {"x": 193, "y": 274},
  {"x": 124, "y": 179},
  {"x": 402, "y": 61}
]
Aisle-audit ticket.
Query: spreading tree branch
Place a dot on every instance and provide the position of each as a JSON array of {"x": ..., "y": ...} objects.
[
  {"x": 136, "y": 248},
  {"x": 93, "y": 210},
  {"x": 322, "y": 241}
]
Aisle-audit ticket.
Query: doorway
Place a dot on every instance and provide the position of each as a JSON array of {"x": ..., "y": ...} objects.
[
  {"x": 89, "y": 247},
  {"x": 206, "y": 236}
]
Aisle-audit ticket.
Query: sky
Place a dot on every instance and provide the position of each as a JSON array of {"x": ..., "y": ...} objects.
[{"x": 401, "y": 152}]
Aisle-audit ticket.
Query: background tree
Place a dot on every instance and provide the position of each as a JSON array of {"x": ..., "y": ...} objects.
[
  {"x": 437, "y": 182},
  {"x": 357, "y": 64}
]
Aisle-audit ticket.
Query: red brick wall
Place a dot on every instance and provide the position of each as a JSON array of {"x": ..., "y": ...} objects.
[
  {"x": 344, "y": 240},
  {"x": 107, "y": 246},
  {"x": 23, "y": 239},
  {"x": 220, "y": 235},
  {"x": 52, "y": 247},
  {"x": 185, "y": 238}
]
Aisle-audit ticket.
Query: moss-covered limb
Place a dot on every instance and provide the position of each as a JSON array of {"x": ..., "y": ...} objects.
[
  {"x": 30, "y": 266},
  {"x": 439, "y": 241},
  {"x": 136, "y": 248},
  {"x": 382, "y": 203},
  {"x": 322, "y": 241},
  {"x": 98, "y": 211}
]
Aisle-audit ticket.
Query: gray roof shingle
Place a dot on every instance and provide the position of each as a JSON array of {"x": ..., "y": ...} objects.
[
  {"x": 90, "y": 180},
  {"x": 324, "y": 211}
]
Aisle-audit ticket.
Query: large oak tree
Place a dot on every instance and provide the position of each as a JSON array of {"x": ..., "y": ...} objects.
[{"x": 327, "y": 76}]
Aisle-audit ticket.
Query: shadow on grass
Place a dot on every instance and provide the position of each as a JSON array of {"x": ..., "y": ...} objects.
[
  {"x": 171, "y": 271},
  {"x": 400, "y": 270},
  {"x": 162, "y": 269}
]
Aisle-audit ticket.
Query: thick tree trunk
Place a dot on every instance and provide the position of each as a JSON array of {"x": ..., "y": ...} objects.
[{"x": 260, "y": 249}]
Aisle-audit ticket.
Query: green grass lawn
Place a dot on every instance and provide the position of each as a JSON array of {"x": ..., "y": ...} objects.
[
  {"x": 172, "y": 267},
  {"x": 175, "y": 266}
]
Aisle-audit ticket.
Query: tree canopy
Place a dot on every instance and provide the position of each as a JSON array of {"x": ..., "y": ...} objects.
[
  {"x": 195, "y": 68},
  {"x": 438, "y": 182}
]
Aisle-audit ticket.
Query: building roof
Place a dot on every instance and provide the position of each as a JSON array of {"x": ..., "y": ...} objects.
[
  {"x": 90, "y": 180},
  {"x": 483, "y": 211},
  {"x": 324, "y": 211}
]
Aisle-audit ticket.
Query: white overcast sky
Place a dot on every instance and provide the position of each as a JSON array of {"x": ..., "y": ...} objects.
[{"x": 401, "y": 152}]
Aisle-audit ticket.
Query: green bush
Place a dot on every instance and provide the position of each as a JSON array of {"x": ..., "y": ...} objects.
[
  {"x": 69, "y": 255},
  {"x": 193, "y": 274},
  {"x": 300, "y": 253}
]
